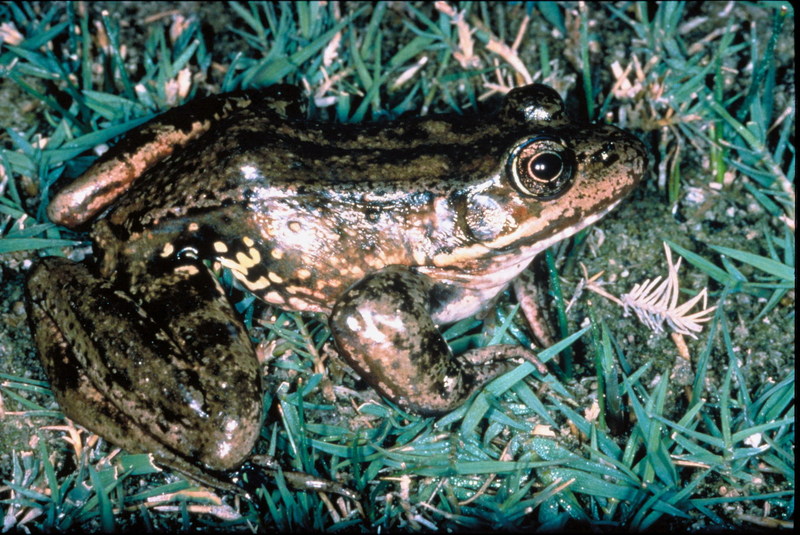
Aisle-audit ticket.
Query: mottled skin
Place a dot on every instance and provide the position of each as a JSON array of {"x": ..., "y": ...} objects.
[{"x": 392, "y": 229}]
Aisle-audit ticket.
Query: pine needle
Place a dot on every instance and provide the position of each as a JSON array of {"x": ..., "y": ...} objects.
[{"x": 656, "y": 301}]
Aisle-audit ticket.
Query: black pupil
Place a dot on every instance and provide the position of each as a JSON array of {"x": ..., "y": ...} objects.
[{"x": 546, "y": 166}]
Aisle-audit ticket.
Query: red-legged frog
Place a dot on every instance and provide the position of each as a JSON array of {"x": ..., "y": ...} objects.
[{"x": 391, "y": 229}]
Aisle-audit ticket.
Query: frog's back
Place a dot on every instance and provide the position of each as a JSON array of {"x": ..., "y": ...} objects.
[{"x": 257, "y": 159}]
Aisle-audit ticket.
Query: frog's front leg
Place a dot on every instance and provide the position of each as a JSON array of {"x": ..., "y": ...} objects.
[
  {"x": 170, "y": 372},
  {"x": 383, "y": 328}
]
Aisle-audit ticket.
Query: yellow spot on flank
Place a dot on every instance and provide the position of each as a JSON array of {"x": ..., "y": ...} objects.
[
  {"x": 168, "y": 250},
  {"x": 303, "y": 274},
  {"x": 245, "y": 260},
  {"x": 294, "y": 226},
  {"x": 230, "y": 264},
  {"x": 274, "y": 297},
  {"x": 274, "y": 277},
  {"x": 191, "y": 270},
  {"x": 255, "y": 255},
  {"x": 298, "y": 290},
  {"x": 296, "y": 303},
  {"x": 260, "y": 284},
  {"x": 193, "y": 227},
  {"x": 220, "y": 247},
  {"x": 248, "y": 241},
  {"x": 277, "y": 254},
  {"x": 240, "y": 276}
]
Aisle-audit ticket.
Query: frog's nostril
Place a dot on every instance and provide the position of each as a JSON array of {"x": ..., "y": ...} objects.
[{"x": 606, "y": 155}]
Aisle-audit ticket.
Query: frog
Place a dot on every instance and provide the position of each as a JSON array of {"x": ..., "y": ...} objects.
[{"x": 391, "y": 230}]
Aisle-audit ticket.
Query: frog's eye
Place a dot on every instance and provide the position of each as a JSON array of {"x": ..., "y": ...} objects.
[{"x": 541, "y": 167}]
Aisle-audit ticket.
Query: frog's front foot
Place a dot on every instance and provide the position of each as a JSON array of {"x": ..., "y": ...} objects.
[{"x": 383, "y": 327}]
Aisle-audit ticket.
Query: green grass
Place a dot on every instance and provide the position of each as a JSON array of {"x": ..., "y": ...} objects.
[{"x": 706, "y": 451}]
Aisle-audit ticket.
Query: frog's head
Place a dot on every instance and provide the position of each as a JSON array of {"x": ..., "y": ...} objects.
[{"x": 555, "y": 179}]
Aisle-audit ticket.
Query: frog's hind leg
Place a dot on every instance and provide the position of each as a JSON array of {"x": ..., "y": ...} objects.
[
  {"x": 176, "y": 376},
  {"x": 383, "y": 328},
  {"x": 146, "y": 145}
]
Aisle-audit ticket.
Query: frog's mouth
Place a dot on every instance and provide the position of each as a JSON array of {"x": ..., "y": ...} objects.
[
  {"x": 483, "y": 266},
  {"x": 537, "y": 243},
  {"x": 537, "y": 234}
]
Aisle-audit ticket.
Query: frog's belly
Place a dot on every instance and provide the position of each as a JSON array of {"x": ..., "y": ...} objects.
[
  {"x": 461, "y": 292},
  {"x": 452, "y": 303}
]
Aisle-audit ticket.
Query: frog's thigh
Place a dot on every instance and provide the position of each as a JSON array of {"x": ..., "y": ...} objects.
[
  {"x": 76, "y": 394},
  {"x": 118, "y": 371},
  {"x": 89, "y": 407},
  {"x": 382, "y": 327}
]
